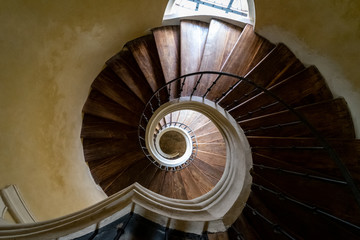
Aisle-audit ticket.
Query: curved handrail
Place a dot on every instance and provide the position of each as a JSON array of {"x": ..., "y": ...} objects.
[{"x": 333, "y": 155}]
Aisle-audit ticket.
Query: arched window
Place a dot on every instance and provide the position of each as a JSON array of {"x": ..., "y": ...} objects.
[{"x": 236, "y": 10}]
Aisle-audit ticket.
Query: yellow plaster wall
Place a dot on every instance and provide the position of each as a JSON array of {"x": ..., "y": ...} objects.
[
  {"x": 325, "y": 33},
  {"x": 50, "y": 52}
]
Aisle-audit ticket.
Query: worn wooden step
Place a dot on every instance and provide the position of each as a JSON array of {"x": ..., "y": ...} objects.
[
  {"x": 249, "y": 50},
  {"x": 278, "y": 65},
  {"x": 173, "y": 186},
  {"x": 213, "y": 137},
  {"x": 306, "y": 223},
  {"x": 188, "y": 117},
  {"x": 267, "y": 229},
  {"x": 99, "y": 105},
  {"x": 220, "y": 40},
  {"x": 192, "y": 188},
  {"x": 157, "y": 180},
  {"x": 96, "y": 127},
  {"x": 330, "y": 118},
  {"x": 145, "y": 53},
  {"x": 203, "y": 181},
  {"x": 308, "y": 153},
  {"x": 313, "y": 192},
  {"x": 310, "y": 88},
  {"x": 199, "y": 122},
  {"x": 150, "y": 171},
  {"x": 300, "y": 220},
  {"x": 125, "y": 66},
  {"x": 102, "y": 148},
  {"x": 213, "y": 159},
  {"x": 109, "y": 84},
  {"x": 126, "y": 177},
  {"x": 213, "y": 173},
  {"x": 192, "y": 43},
  {"x": 106, "y": 168},
  {"x": 206, "y": 128},
  {"x": 167, "y": 40},
  {"x": 217, "y": 148}
]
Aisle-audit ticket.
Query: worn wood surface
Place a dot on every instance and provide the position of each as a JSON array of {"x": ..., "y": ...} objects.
[
  {"x": 99, "y": 105},
  {"x": 247, "y": 53},
  {"x": 125, "y": 66},
  {"x": 278, "y": 65},
  {"x": 310, "y": 88},
  {"x": 220, "y": 41},
  {"x": 167, "y": 40},
  {"x": 110, "y": 85},
  {"x": 330, "y": 118},
  {"x": 145, "y": 53},
  {"x": 192, "y": 43}
]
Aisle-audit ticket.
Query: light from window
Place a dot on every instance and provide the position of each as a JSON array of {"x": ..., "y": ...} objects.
[{"x": 232, "y": 8}]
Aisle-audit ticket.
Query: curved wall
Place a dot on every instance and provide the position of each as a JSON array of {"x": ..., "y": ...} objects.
[{"x": 50, "y": 52}]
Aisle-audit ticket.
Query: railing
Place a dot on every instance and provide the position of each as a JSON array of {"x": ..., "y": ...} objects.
[{"x": 213, "y": 79}]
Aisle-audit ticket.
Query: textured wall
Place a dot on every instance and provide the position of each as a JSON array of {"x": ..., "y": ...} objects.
[
  {"x": 50, "y": 52},
  {"x": 325, "y": 33}
]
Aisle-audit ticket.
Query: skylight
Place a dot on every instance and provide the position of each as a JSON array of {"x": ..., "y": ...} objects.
[
  {"x": 234, "y": 10},
  {"x": 214, "y": 7}
]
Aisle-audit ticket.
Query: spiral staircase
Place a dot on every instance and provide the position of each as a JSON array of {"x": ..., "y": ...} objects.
[
  {"x": 296, "y": 129},
  {"x": 298, "y": 191}
]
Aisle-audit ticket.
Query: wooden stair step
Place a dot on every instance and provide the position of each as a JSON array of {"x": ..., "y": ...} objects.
[
  {"x": 150, "y": 172},
  {"x": 213, "y": 173},
  {"x": 167, "y": 40},
  {"x": 192, "y": 188},
  {"x": 220, "y": 40},
  {"x": 293, "y": 151},
  {"x": 125, "y": 66},
  {"x": 212, "y": 158},
  {"x": 106, "y": 168},
  {"x": 267, "y": 230},
  {"x": 262, "y": 161},
  {"x": 205, "y": 128},
  {"x": 95, "y": 149},
  {"x": 192, "y": 43},
  {"x": 204, "y": 182},
  {"x": 145, "y": 53},
  {"x": 302, "y": 221},
  {"x": 217, "y": 148},
  {"x": 278, "y": 65},
  {"x": 127, "y": 177},
  {"x": 190, "y": 117},
  {"x": 109, "y": 84},
  {"x": 249, "y": 50},
  {"x": 178, "y": 188},
  {"x": 213, "y": 137},
  {"x": 96, "y": 127},
  {"x": 199, "y": 122},
  {"x": 157, "y": 180},
  {"x": 330, "y": 118},
  {"x": 336, "y": 199},
  {"x": 99, "y": 105},
  {"x": 310, "y": 88}
]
